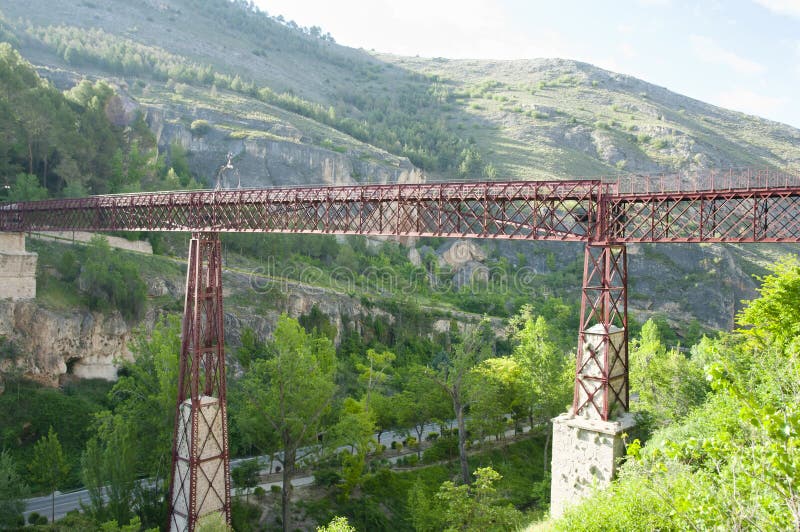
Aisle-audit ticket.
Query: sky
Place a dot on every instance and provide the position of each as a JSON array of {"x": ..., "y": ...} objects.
[{"x": 739, "y": 54}]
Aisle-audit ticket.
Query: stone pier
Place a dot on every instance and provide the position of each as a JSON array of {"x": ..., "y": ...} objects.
[
  {"x": 17, "y": 268},
  {"x": 585, "y": 456},
  {"x": 586, "y": 447},
  {"x": 209, "y": 493}
]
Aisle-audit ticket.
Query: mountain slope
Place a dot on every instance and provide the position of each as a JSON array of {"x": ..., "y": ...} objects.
[
  {"x": 215, "y": 77},
  {"x": 510, "y": 119}
]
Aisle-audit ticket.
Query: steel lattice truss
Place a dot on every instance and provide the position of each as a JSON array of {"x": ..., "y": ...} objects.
[
  {"x": 554, "y": 210},
  {"x": 200, "y": 476},
  {"x": 747, "y": 215},
  {"x": 529, "y": 210},
  {"x": 601, "y": 377}
]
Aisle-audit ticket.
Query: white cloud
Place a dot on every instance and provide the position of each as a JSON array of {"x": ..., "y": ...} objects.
[
  {"x": 751, "y": 102},
  {"x": 782, "y": 7},
  {"x": 710, "y": 51}
]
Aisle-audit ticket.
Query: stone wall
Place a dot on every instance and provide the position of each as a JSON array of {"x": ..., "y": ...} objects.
[
  {"x": 140, "y": 246},
  {"x": 585, "y": 455},
  {"x": 17, "y": 268}
]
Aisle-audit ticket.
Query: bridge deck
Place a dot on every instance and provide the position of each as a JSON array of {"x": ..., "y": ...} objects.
[{"x": 761, "y": 207}]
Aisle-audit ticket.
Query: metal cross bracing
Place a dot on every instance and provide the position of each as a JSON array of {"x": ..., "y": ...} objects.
[
  {"x": 581, "y": 210},
  {"x": 530, "y": 210},
  {"x": 736, "y": 206},
  {"x": 200, "y": 476}
]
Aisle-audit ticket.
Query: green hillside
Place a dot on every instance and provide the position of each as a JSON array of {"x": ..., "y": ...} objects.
[
  {"x": 536, "y": 118},
  {"x": 108, "y": 96}
]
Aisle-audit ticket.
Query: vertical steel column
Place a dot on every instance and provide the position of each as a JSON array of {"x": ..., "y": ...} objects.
[
  {"x": 200, "y": 477},
  {"x": 601, "y": 377}
]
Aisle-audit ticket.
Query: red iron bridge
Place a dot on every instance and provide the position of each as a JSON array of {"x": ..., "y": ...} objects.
[{"x": 736, "y": 206}]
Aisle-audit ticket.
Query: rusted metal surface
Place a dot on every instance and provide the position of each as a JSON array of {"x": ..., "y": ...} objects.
[
  {"x": 528, "y": 210},
  {"x": 601, "y": 377},
  {"x": 760, "y": 207},
  {"x": 201, "y": 376}
]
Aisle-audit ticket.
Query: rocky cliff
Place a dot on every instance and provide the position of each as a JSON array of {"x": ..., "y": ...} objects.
[{"x": 53, "y": 343}]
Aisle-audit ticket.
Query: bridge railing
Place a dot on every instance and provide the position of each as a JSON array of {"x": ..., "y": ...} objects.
[{"x": 702, "y": 181}]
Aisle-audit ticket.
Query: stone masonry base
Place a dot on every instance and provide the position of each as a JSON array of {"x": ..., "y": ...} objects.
[{"x": 585, "y": 455}]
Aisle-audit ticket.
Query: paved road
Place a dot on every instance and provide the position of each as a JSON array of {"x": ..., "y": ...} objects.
[{"x": 66, "y": 502}]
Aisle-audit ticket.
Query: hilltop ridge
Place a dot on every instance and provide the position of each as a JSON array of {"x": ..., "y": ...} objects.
[{"x": 451, "y": 118}]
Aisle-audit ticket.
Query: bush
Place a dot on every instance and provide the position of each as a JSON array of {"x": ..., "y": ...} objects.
[
  {"x": 68, "y": 266},
  {"x": 244, "y": 516},
  {"x": 200, "y": 127},
  {"x": 36, "y": 519},
  {"x": 327, "y": 477},
  {"x": 442, "y": 449}
]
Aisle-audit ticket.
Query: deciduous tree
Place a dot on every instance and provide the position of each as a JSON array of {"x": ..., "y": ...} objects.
[
  {"x": 49, "y": 465},
  {"x": 288, "y": 392},
  {"x": 451, "y": 373},
  {"x": 12, "y": 489}
]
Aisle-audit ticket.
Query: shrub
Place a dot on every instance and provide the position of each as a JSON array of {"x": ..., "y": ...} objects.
[
  {"x": 68, "y": 266},
  {"x": 327, "y": 477},
  {"x": 442, "y": 449},
  {"x": 36, "y": 519},
  {"x": 200, "y": 127}
]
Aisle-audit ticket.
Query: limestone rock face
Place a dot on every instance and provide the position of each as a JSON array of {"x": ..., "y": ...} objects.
[
  {"x": 91, "y": 345},
  {"x": 460, "y": 252},
  {"x": 471, "y": 272},
  {"x": 285, "y": 157},
  {"x": 87, "y": 344},
  {"x": 414, "y": 257}
]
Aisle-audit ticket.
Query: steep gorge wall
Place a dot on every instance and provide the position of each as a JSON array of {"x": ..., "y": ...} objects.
[
  {"x": 282, "y": 156},
  {"x": 54, "y": 343}
]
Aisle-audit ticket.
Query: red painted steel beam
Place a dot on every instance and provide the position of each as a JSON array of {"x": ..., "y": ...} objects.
[
  {"x": 578, "y": 210},
  {"x": 525, "y": 210},
  {"x": 200, "y": 475},
  {"x": 734, "y": 216}
]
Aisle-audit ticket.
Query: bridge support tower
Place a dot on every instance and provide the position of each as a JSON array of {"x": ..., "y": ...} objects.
[
  {"x": 587, "y": 440},
  {"x": 200, "y": 478}
]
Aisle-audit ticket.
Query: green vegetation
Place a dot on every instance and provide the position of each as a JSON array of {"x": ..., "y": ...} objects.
[
  {"x": 729, "y": 460},
  {"x": 464, "y": 507},
  {"x": 49, "y": 467},
  {"x": 28, "y": 410},
  {"x": 286, "y": 394},
  {"x": 406, "y": 123},
  {"x": 107, "y": 280},
  {"x": 13, "y": 489},
  {"x": 66, "y": 141}
]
